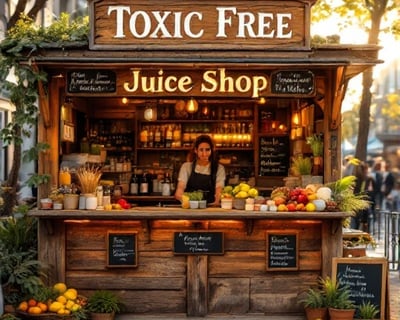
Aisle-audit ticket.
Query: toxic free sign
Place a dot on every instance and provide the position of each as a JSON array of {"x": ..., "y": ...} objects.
[{"x": 195, "y": 24}]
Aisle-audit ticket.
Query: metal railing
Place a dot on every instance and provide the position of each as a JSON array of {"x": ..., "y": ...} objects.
[{"x": 391, "y": 227}]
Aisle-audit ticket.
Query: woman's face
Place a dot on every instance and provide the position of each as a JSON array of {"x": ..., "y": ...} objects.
[{"x": 203, "y": 152}]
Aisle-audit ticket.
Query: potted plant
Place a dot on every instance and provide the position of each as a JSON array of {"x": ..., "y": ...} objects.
[
  {"x": 194, "y": 198},
  {"x": 315, "y": 304},
  {"x": 302, "y": 167},
  {"x": 367, "y": 311},
  {"x": 103, "y": 305},
  {"x": 317, "y": 148},
  {"x": 340, "y": 306}
]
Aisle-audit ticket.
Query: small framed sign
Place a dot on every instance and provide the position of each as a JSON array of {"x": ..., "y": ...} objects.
[
  {"x": 282, "y": 250},
  {"x": 121, "y": 249},
  {"x": 198, "y": 243}
]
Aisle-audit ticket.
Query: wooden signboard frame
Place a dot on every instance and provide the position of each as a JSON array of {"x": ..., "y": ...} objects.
[
  {"x": 284, "y": 256},
  {"x": 366, "y": 278},
  {"x": 121, "y": 249}
]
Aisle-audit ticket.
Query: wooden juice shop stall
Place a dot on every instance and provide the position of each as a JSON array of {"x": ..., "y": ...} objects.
[{"x": 154, "y": 76}]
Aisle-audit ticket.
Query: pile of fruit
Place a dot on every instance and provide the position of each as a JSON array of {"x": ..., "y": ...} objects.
[
  {"x": 310, "y": 198},
  {"x": 240, "y": 191},
  {"x": 58, "y": 300}
]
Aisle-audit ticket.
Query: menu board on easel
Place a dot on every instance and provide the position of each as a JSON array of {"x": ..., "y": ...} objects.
[
  {"x": 366, "y": 279},
  {"x": 274, "y": 156}
]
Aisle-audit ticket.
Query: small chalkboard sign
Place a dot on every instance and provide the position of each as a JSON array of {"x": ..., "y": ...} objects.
[
  {"x": 366, "y": 278},
  {"x": 274, "y": 156},
  {"x": 121, "y": 249},
  {"x": 293, "y": 82},
  {"x": 282, "y": 250},
  {"x": 91, "y": 81},
  {"x": 198, "y": 243}
]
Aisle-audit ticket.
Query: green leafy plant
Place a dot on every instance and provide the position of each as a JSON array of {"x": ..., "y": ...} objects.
[
  {"x": 19, "y": 80},
  {"x": 301, "y": 166},
  {"x": 20, "y": 271},
  {"x": 195, "y": 195},
  {"x": 343, "y": 195},
  {"x": 316, "y": 144},
  {"x": 103, "y": 301},
  {"x": 315, "y": 298},
  {"x": 337, "y": 296},
  {"x": 367, "y": 310}
]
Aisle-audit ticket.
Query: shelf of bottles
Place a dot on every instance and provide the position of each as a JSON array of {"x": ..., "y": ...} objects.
[{"x": 173, "y": 135}]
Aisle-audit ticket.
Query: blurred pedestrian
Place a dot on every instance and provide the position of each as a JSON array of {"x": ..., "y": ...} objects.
[
  {"x": 388, "y": 181},
  {"x": 365, "y": 184}
]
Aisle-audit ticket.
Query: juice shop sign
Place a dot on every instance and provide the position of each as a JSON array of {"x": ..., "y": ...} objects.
[{"x": 212, "y": 81}]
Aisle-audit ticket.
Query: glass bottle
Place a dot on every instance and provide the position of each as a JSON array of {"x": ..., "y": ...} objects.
[
  {"x": 166, "y": 185},
  {"x": 134, "y": 185},
  {"x": 144, "y": 185}
]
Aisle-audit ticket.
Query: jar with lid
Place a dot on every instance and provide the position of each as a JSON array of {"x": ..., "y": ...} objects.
[
  {"x": 64, "y": 177},
  {"x": 106, "y": 196}
]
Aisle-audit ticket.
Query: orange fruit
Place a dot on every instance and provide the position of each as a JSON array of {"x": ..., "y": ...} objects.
[
  {"x": 42, "y": 306},
  {"x": 34, "y": 310},
  {"x": 32, "y": 302},
  {"x": 23, "y": 306}
]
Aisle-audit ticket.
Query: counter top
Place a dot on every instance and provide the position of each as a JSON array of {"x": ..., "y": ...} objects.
[{"x": 168, "y": 213}]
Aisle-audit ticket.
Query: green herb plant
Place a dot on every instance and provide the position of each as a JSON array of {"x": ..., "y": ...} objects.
[
  {"x": 103, "y": 301},
  {"x": 367, "y": 310}
]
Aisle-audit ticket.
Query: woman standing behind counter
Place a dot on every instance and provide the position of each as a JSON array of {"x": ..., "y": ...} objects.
[{"x": 202, "y": 172}]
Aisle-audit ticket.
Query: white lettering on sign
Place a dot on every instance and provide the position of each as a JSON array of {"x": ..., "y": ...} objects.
[
  {"x": 248, "y": 26},
  {"x": 175, "y": 25},
  {"x": 212, "y": 81},
  {"x": 160, "y": 30}
]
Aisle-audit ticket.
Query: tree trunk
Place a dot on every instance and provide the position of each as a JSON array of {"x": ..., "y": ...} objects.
[
  {"x": 10, "y": 188},
  {"x": 377, "y": 11}
]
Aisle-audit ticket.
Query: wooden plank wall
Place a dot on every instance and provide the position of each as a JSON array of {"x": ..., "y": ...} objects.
[{"x": 238, "y": 282}]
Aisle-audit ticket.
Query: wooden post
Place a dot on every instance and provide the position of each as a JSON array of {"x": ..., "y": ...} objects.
[{"x": 197, "y": 285}]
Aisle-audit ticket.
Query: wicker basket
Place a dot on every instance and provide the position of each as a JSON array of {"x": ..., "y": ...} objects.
[{"x": 45, "y": 316}]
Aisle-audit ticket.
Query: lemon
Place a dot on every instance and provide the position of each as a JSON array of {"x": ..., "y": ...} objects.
[
  {"x": 244, "y": 187},
  {"x": 75, "y": 307},
  {"x": 185, "y": 202},
  {"x": 310, "y": 207},
  {"x": 253, "y": 192},
  {"x": 71, "y": 294},
  {"x": 62, "y": 299},
  {"x": 69, "y": 304},
  {"x": 60, "y": 287},
  {"x": 55, "y": 306},
  {"x": 242, "y": 195}
]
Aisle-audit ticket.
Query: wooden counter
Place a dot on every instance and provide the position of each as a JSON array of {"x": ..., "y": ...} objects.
[{"x": 236, "y": 281}]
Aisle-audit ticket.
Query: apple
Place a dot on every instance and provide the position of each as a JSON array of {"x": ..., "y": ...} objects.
[
  {"x": 302, "y": 198},
  {"x": 291, "y": 206}
]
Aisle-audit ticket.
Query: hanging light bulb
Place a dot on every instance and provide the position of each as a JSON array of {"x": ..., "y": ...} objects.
[{"x": 192, "y": 106}]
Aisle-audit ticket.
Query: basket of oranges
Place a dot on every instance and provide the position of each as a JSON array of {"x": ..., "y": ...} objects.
[{"x": 53, "y": 303}]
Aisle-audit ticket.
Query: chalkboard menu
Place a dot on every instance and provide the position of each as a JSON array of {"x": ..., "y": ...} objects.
[
  {"x": 366, "y": 279},
  {"x": 274, "y": 156},
  {"x": 121, "y": 249},
  {"x": 198, "y": 243},
  {"x": 91, "y": 81},
  {"x": 292, "y": 82},
  {"x": 282, "y": 250}
]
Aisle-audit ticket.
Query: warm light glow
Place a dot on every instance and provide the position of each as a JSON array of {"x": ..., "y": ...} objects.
[
  {"x": 296, "y": 118},
  {"x": 124, "y": 100},
  {"x": 192, "y": 106},
  {"x": 262, "y": 100}
]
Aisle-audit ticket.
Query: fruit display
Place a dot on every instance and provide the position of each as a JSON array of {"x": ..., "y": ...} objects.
[
  {"x": 334, "y": 196},
  {"x": 56, "y": 300}
]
